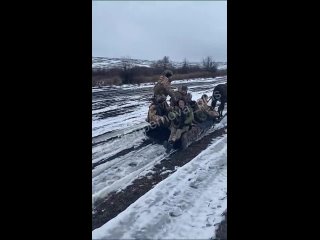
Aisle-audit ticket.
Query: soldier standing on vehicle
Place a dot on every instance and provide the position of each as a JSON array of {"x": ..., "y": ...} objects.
[
  {"x": 163, "y": 87},
  {"x": 159, "y": 107}
]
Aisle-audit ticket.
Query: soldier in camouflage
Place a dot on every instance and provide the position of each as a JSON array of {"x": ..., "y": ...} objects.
[
  {"x": 163, "y": 87},
  {"x": 203, "y": 112},
  {"x": 181, "y": 94},
  {"x": 181, "y": 119},
  {"x": 159, "y": 107},
  {"x": 157, "y": 118}
]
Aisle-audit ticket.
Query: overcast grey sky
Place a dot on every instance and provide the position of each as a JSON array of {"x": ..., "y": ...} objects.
[{"x": 153, "y": 29}]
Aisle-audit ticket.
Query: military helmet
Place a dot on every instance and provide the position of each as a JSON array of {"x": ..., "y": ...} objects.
[
  {"x": 183, "y": 88},
  {"x": 200, "y": 102},
  {"x": 167, "y": 73},
  {"x": 205, "y": 97}
]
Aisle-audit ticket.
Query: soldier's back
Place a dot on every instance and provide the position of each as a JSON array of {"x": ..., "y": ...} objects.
[{"x": 161, "y": 86}]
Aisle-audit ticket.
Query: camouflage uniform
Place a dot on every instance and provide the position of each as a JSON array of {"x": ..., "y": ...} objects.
[
  {"x": 181, "y": 94},
  {"x": 204, "y": 98},
  {"x": 212, "y": 113},
  {"x": 181, "y": 121},
  {"x": 155, "y": 117},
  {"x": 178, "y": 96},
  {"x": 203, "y": 112},
  {"x": 162, "y": 89}
]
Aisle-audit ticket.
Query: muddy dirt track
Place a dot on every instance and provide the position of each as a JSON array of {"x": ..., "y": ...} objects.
[{"x": 127, "y": 167}]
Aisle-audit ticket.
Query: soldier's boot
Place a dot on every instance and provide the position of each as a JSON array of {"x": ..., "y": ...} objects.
[
  {"x": 168, "y": 146},
  {"x": 184, "y": 141}
]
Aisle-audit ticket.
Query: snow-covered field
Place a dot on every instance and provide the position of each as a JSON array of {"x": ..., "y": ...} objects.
[{"x": 186, "y": 204}]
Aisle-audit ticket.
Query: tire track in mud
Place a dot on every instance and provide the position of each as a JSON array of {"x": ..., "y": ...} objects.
[
  {"x": 189, "y": 204},
  {"x": 117, "y": 174},
  {"x": 116, "y": 202},
  {"x": 115, "y": 134},
  {"x": 114, "y": 112},
  {"x": 123, "y": 152}
]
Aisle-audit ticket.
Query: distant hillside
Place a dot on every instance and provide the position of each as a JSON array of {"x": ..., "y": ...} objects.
[{"x": 107, "y": 63}]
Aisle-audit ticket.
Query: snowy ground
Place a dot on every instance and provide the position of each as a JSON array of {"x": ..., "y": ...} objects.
[{"x": 186, "y": 204}]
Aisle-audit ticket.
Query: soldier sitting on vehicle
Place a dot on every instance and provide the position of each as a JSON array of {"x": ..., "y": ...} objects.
[
  {"x": 156, "y": 116},
  {"x": 181, "y": 119},
  {"x": 192, "y": 104},
  {"x": 203, "y": 112},
  {"x": 205, "y": 99},
  {"x": 182, "y": 93}
]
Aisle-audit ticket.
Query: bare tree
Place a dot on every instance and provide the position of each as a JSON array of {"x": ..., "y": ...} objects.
[
  {"x": 126, "y": 66},
  {"x": 126, "y": 63},
  {"x": 185, "y": 66},
  {"x": 209, "y": 64},
  {"x": 163, "y": 64},
  {"x": 166, "y": 62}
]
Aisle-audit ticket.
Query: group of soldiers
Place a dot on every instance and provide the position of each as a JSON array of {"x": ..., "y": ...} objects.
[{"x": 182, "y": 111}]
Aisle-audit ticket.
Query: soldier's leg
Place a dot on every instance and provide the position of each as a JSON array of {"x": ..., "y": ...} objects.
[
  {"x": 180, "y": 131},
  {"x": 213, "y": 114},
  {"x": 172, "y": 137},
  {"x": 221, "y": 108},
  {"x": 173, "y": 131}
]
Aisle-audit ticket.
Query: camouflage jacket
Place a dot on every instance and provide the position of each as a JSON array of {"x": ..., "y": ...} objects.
[
  {"x": 200, "y": 115},
  {"x": 163, "y": 87},
  {"x": 179, "y": 96},
  {"x": 188, "y": 115},
  {"x": 204, "y": 113},
  {"x": 181, "y": 118}
]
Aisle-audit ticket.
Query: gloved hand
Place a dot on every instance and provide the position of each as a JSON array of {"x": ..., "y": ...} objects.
[{"x": 172, "y": 115}]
